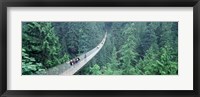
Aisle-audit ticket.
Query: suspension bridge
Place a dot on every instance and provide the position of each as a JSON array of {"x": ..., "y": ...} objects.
[{"x": 67, "y": 69}]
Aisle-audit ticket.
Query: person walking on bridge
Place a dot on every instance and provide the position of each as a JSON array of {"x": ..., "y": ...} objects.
[{"x": 71, "y": 62}]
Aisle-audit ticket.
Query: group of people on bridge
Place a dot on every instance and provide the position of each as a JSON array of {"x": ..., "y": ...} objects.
[{"x": 74, "y": 61}]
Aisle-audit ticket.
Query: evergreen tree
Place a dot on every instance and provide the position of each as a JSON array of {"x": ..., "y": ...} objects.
[
  {"x": 29, "y": 65},
  {"x": 148, "y": 39},
  {"x": 128, "y": 54},
  {"x": 149, "y": 64},
  {"x": 41, "y": 43},
  {"x": 131, "y": 48}
]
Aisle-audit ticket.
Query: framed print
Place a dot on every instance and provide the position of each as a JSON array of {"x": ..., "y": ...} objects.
[{"x": 99, "y": 48}]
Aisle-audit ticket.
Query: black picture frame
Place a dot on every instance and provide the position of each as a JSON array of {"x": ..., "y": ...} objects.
[{"x": 99, "y": 3}]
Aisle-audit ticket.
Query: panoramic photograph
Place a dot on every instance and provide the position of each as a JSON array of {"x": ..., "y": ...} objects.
[{"x": 99, "y": 48}]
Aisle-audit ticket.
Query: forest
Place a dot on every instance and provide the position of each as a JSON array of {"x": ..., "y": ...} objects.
[{"x": 131, "y": 48}]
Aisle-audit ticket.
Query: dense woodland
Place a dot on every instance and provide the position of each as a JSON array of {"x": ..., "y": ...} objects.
[{"x": 131, "y": 48}]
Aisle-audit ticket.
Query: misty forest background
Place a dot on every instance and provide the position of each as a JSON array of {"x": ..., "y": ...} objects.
[{"x": 131, "y": 48}]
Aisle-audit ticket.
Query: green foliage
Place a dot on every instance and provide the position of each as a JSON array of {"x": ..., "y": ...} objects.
[
  {"x": 149, "y": 63},
  {"x": 131, "y": 48},
  {"x": 168, "y": 61},
  {"x": 95, "y": 70},
  {"x": 127, "y": 50},
  {"x": 163, "y": 65},
  {"x": 42, "y": 47},
  {"x": 112, "y": 67},
  {"x": 29, "y": 64},
  {"x": 161, "y": 58}
]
